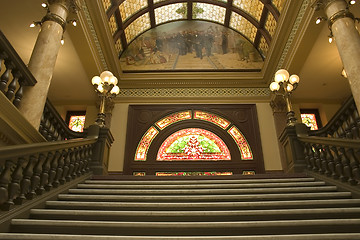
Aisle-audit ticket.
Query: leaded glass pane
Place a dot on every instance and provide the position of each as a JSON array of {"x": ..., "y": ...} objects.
[
  {"x": 173, "y": 118},
  {"x": 263, "y": 46},
  {"x": 242, "y": 25},
  {"x": 254, "y": 8},
  {"x": 168, "y": 13},
  {"x": 113, "y": 25},
  {"x": 243, "y": 145},
  {"x": 118, "y": 46},
  {"x": 129, "y": 7},
  {"x": 143, "y": 147},
  {"x": 309, "y": 119},
  {"x": 279, "y": 4},
  {"x": 209, "y": 12},
  {"x": 77, "y": 123},
  {"x": 156, "y": 1},
  {"x": 138, "y": 26},
  {"x": 211, "y": 173},
  {"x": 270, "y": 24},
  {"x": 193, "y": 144},
  {"x": 106, "y": 4},
  {"x": 209, "y": 117}
]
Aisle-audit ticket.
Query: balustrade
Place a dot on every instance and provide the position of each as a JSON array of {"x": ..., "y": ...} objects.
[{"x": 14, "y": 73}]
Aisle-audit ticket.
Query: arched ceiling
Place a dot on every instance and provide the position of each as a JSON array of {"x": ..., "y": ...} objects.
[{"x": 256, "y": 20}]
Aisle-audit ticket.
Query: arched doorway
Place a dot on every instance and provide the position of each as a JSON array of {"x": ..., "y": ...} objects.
[{"x": 184, "y": 140}]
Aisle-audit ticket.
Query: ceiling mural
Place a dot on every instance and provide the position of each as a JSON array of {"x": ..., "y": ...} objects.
[
  {"x": 185, "y": 45},
  {"x": 175, "y": 35}
]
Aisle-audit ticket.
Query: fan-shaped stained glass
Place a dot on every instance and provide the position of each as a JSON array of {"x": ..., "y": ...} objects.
[
  {"x": 129, "y": 7},
  {"x": 254, "y": 8},
  {"x": 243, "y": 26},
  {"x": 209, "y": 12},
  {"x": 168, "y": 13}
]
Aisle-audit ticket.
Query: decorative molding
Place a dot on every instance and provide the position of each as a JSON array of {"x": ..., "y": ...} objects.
[
  {"x": 294, "y": 30},
  {"x": 194, "y": 92},
  {"x": 93, "y": 34}
]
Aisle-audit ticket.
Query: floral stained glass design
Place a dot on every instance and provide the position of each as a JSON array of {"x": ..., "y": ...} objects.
[
  {"x": 211, "y": 173},
  {"x": 168, "y": 13},
  {"x": 193, "y": 144},
  {"x": 209, "y": 117},
  {"x": 309, "y": 120},
  {"x": 144, "y": 144},
  {"x": 173, "y": 118},
  {"x": 246, "y": 153},
  {"x": 77, "y": 123},
  {"x": 209, "y": 12},
  {"x": 248, "y": 172}
]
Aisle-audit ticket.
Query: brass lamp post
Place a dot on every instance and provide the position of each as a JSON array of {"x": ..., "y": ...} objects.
[
  {"x": 105, "y": 86},
  {"x": 284, "y": 86}
]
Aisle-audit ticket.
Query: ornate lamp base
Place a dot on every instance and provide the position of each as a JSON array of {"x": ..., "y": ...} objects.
[
  {"x": 100, "y": 120},
  {"x": 291, "y": 119}
]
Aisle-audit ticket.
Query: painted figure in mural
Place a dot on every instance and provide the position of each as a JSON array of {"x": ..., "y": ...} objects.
[
  {"x": 224, "y": 42},
  {"x": 198, "y": 44}
]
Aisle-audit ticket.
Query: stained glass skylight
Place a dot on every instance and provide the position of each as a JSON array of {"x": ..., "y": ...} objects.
[
  {"x": 263, "y": 46},
  {"x": 242, "y": 25},
  {"x": 129, "y": 7},
  {"x": 209, "y": 12},
  {"x": 138, "y": 26},
  {"x": 254, "y": 8},
  {"x": 168, "y": 13},
  {"x": 270, "y": 24},
  {"x": 106, "y": 4},
  {"x": 279, "y": 4},
  {"x": 113, "y": 24}
]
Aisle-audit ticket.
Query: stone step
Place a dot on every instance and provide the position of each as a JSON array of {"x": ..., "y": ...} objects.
[
  {"x": 204, "y": 191},
  {"x": 253, "y": 205},
  {"x": 187, "y": 228},
  {"x": 207, "y": 215},
  {"x": 201, "y": 186},
  {"x": 27, "y": 236},
  {"x": 212, "y": 198},
  {"x": 201, "y": 181}
]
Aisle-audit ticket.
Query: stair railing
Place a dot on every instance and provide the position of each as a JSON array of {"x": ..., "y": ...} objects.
[
  {"x": 31, "y": 169},
  {"x": 15, "y": 74},
  {"x": 53, "y": 127}
]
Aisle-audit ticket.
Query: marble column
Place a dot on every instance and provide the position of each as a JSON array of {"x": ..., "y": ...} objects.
[
  {"x": 341, "y": 23},
  {"x": 43, "y": 58}
]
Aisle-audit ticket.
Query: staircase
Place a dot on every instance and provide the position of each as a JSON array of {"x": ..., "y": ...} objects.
[{"x": 249, "y": 208}]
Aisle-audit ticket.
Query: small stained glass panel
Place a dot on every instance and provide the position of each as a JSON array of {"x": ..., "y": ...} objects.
[
  {"x": 139, "y": 174},
  {"x": 173, "y": 118},
  {"x": 77, "y": 123},
  {"x": 209, "y": 12},
  {"x": 263, "y": 46},
  {"x": 129, "y": 7},
  {"x": 243, "y": 26},
  {"x": 143, "y": 147},
  {"x": 248, "y": 172},
  {"x": 138, "y": 26},
  {"x": 106, "y": 4},
  {"x": 309, "y": 119},
  {"x": 253, "y": 8},
  {"x": 113, "y": 25},
  {"x": 209, "y": 117},
  {"x": 279, "y": 4},
  {"x": 212, "y": 173},
  {"x": 169, "y": 13},
  {"x": 246, "y": 153},
  {"x": 270, "y": 24}
]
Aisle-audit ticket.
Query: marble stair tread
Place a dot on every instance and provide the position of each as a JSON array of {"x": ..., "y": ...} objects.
[
  {"x": 186, "y": 228},
  {"x": 212, "y": 197},
  {"x": 28, "y": 236},
  {"x": 205, "y": 205},
  {"x": 203, "y": 181},
  {"x": 204, "y": 191},
  {"x": 206, "y": 215},
  {"x": 200, "y": 186}
]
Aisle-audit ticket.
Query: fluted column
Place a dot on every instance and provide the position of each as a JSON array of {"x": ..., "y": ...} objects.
[
  {"x": 341, "y": 23},
  {"x": 43, "y": 58}
]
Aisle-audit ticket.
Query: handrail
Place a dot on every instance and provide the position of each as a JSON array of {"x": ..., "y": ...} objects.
[
  {"x": 337, "y": 142},
  {"x": 15, "y": 67},
  {"x": 53, "y": 127}
]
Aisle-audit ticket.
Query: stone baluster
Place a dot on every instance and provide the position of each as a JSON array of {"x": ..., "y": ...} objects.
[
  {"x": 25, "y": 183},
  {"x": 4, "y": 181},
  {"x": 330, "y": 162},
  {"x": 59, "y": 170},
  {"x": 14, "y": 186},
  {"x": 5, "y": 78},
  {"x": 35, "y": 179},
  {"x": 53, "y": 181},
  {"x": 66, "y": 160},
  {"x": 12, "y": 86},
  {"x": 44, "y": 178},
  {"x": 19, "y": 93}
]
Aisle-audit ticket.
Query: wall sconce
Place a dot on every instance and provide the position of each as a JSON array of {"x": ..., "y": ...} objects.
[
  {"x": 106, "y": 87},
  {"x": 285, "y": 85}
]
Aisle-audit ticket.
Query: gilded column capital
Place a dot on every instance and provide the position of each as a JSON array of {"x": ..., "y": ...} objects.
[
  {"x": 322, "y": 4},
  {"x": 73, "y": 6}
]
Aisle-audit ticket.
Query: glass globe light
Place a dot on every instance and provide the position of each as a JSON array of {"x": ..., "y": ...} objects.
[
  {"x": 294, "y": 79},
  {"x": 100, "y": 88},
  {"x": 289, "y": 87},
  {"x": 281, "y": 75},
  {"x": 113, "y": 80},
  {"x": 96, "y": 80},
  {"x": 274, "y": 86},
  {"x": 105, "y": 76},
  {"x": 115, "y": 90}
]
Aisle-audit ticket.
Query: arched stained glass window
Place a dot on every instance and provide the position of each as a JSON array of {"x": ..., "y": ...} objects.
[{"x": 193, "y": 144}]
